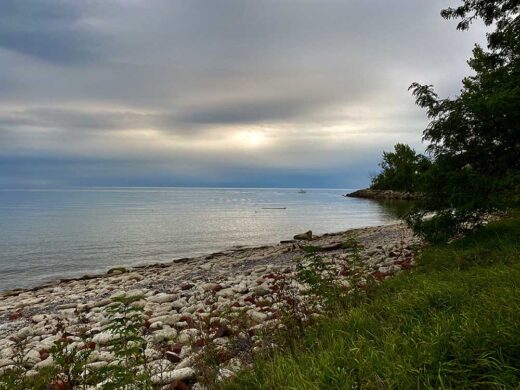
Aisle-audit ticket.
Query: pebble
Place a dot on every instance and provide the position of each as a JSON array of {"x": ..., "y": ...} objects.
[
  {"x": 164, "y": 334},
  {"x": 103, "y": 338},
  {"x": 257, "y": 316},
  {"x": 162, "y": 298},
  {"x": 170, "y": 376},
  {"x": 261, "y": 290}
]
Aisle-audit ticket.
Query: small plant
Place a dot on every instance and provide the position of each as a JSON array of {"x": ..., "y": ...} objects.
[
  {"x": 360, "y": 283},
  {"x": 70, "y": 362},
  {"x": 208, "y": 358},
  {"x": 292, "y": 311},
  {"x": 128, "y": 346},
  {"x": 320, "y": 277},
  {"x": 15, "y": 377}
]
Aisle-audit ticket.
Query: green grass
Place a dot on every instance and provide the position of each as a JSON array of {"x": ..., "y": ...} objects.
[{"x": 452, "y": 322}]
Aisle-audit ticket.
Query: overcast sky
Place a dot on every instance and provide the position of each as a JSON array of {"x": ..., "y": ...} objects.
[{"x": 288, "y": 93}]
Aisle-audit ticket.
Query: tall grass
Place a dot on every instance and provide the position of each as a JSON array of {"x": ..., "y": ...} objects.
[{"x": 453, "y": 322}]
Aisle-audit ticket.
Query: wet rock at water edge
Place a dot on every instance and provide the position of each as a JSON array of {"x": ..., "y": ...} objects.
[
  {"x": 304, "y": 236},
  {"x": 117, "y": 271}
]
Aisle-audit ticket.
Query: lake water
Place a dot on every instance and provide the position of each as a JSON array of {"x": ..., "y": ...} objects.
[{"x": 49, "y": 234}]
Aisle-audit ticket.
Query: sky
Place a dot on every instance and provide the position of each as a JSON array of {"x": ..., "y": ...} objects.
[{"x": 228, "y": 93}]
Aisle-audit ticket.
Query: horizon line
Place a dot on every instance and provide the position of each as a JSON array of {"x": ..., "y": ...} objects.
[{"x": 169, "y": 187}]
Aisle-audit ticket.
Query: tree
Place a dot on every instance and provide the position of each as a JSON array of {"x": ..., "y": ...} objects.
[
  {"x": 475, "y": 137},
  {"x": 401, "y": 170}
]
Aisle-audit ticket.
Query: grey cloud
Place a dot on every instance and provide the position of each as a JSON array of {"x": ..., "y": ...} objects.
[
  {"x": 74, "y": 120},
  {"x": 193, "y": 69},
  {"x": 244, "y": 112},
  {"x": 46, "y": 29}
]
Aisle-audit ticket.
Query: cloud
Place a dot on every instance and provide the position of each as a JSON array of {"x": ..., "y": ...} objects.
[
  {"x": 171, "y": 84},
  {"x": 256, "y": 111},
  {"x": 49, "y": 30}
]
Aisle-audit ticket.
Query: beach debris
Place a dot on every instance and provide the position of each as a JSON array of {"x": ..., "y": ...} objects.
[{"x": 331, "y": 247}]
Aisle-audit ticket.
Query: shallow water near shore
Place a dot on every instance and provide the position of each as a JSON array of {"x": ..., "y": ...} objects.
[{"x": 49, "y": 234}]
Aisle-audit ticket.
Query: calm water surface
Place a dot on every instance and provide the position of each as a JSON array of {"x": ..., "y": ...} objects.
[{"x": 48, "y": 234}]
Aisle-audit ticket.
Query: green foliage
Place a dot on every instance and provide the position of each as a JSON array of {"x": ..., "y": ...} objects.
[
  {"x": 320, "y": 279},
  {"x": 402, "y": 170},
  {"x": 450, "y": 323},
  {"x": 475, "y": 137},
  {"x": 325, "y": 291},
  {"x": 70, "y": 362},
  {"x": 15, "y": 377},
  {"x": 128, "y": 345}
]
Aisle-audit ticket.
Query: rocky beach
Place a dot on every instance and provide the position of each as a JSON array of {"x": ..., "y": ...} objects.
[{"x": 184, "y": 301}]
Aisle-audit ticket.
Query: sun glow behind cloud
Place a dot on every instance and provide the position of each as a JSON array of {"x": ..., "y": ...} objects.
[{"x": 250, "y": 139}]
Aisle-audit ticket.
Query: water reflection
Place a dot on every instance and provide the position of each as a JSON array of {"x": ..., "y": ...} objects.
[{"x": 396, "y": 208}]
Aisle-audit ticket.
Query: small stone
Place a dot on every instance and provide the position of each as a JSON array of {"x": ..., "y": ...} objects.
[
  {"x": 226, "y": 293},
  {"x": 224, "y": 373},
  {"x": 240, "y": 288},
  {"x": 186, "y": 335},
  {"x": 170, "y": 376},
  {"x": 221, "y": 341},
  {"x": 179, "y": 303},
  {"x": 97, "y": 365},
  {"x": 155, "y": 325},
  {"x": 206, "y": 266},
  {"x": 24, "y": 333},
  {"x": 33, "y": 357},
  {"x": 257, "y": 316},
  {"x": 134, "y": 276},
  {"x": 103, "y": 338},
  {"x": 164, "y": 334},
  {"x": 101, "y": 303},
  {"x": 260, "y": 291},
  {"x": 49, "y": 361},
  {"x": 391, "y": 269},
  {"x": 166, "y": 319},
  {"x": 162, "y": 298},
  {"x": 181, "y": 325},
  {"x": 38, "y": 318},
  {"x": 137, "y": 293}
]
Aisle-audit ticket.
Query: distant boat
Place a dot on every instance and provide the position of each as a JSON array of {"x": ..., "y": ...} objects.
[{"x": 302, "y": 192}]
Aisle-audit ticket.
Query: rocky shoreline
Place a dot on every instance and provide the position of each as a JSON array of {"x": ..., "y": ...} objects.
[
  {"x": 369, "y": 193},
  {"x": 178, "y": 298}
]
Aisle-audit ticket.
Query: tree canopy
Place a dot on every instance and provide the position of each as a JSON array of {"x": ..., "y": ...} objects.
[
  {"x": 402, "y": 170},
  {"x": 474, "y": 138}
]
